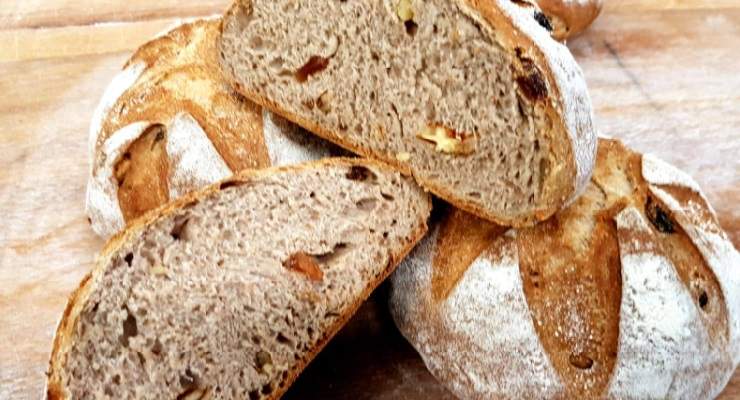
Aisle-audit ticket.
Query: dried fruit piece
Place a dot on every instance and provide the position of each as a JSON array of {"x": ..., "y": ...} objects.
[
  {"x": 305, "y": 264},
  {"x": 314, "y": 65},
  {"x": 447, "y": 140}
]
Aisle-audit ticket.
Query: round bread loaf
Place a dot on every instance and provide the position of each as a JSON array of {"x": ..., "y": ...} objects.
[
  {"x": 169, "y": 124},
  {"x": 632, "y": 292},
  {"x": 569, "y": 18}
]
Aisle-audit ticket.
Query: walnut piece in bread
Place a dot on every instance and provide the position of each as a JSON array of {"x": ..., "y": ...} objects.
[
  {"x": 395, "y": 68},
  {"x": 206, "y": 296},
  {"x": 632, "y": 292}
]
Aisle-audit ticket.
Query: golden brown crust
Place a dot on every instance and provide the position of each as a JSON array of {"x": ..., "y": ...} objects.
[
  {"x": 182, "y": 76},
  {"x": 556, "y": 189},
  {"x": 569, "y": 17},
  {"x": 63, "y": 337},
  {"x": 462, "y": 238},
  {"x": 571, "y": 268},
  {"x": 142, "y": 174}
]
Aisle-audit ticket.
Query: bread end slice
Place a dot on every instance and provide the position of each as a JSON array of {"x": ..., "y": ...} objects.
[{"x": 232, "y": 290}]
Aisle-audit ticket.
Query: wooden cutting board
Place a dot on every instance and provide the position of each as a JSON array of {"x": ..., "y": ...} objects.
[{"x": 664, "y": 76}]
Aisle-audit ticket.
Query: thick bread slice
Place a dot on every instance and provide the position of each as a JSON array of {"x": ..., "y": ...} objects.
[
  {"x": 170, "y": 123},
  {"x": 569, "y": 18},
  {"x": 474, "y": 98},
  {"x": 229, "y": 292},
  {"x": 631, "y": 293}
]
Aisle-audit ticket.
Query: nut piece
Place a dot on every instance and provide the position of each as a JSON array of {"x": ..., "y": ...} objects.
[
  {"x": 447, "y": 140},
  {"x": 305, "y": 264},
  {"x": 405, "y": 10},
  {"x": 403, "y": 157},
  {"x": 158, "y": 270}
]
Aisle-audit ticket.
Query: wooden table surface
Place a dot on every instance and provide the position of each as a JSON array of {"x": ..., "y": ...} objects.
[{"x": 664, "y": 76}]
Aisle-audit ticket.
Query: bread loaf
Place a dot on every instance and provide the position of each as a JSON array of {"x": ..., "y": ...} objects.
[
  {"x": 474, "y": 98},
  {"x": 229, "y": 292},
  {"x": 169, "y": 123},
  {"x": 569, "y": 18},
  {"x": 632, "y": 292}
]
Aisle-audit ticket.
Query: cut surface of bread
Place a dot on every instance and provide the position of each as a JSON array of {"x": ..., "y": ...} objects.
[
  {"x": 229, "y": 292},
  {"x": 170, "y": 123},
  {"x": 474, "y": 98},
  {"x": 632, "y": 292}
]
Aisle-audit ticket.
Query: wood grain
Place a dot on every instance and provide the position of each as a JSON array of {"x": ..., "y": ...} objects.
[{"x": 663, "y": 77}]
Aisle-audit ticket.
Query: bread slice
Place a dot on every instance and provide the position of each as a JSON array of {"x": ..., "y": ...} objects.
[
  {"x": 170, "y": 123},
  {"x": 474, "y": 98},
  {"x": 229, "y": 292},
  {"x": 632, "y": 293}
]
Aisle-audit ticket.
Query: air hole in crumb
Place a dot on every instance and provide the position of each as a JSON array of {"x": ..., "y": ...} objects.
[
  {"x": 703, "y": 299},
  {"x": 157, "y": 347},
  {"x": 312, "y": 195},
  {"x": 359, "y": 173},
  {"x": 366, "y": 204},
  {"x": 267, "y": 389},
  {"x": 129, "y": 258},
  {"x": 387, "y": 196},
  {"x": 282, "y": 339},
  {"x": 254, "y": 395},
  {"x": 129, "y": 329},
  {"x": 581, "y": 361},
  {"x": 179, "y": 228},
  {"x": 117, "y": 379}
]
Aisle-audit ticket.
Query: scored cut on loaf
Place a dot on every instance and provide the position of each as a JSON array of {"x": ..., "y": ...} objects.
[
  {"x": 569, "y": 18},
  {"x": 230, "y": 291},
  {"x": 170, "y": 123},
  {"x": 474, "y": 98},
  {"x": 632, "y": 292}
]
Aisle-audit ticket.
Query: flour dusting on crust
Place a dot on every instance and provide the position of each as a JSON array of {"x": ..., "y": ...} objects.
[
  {"x": 118, "y": 86},
  {"x": 659, "y": 172},
  {"x": 194, "y": 161},
  {"x": 490, "y": 298},
  {"x": 288, "y": 144},
  {"x": 575, "y": 102},
  {"x": 102, "y": 205},
  {"x": 719, "y": 253}
]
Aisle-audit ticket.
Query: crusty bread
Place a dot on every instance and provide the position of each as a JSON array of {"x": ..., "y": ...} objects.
[
  {"x": 569, "y": 18},
  {"x": 229, "y": 292},
  {"x": 474, "y": 98},
  {"x": 632, "y": 292},
  {"x": 169, "y": 123}
]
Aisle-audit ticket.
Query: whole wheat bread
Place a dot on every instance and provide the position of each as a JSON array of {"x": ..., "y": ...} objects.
[
  {"x": 229, "y": 292},
  {"x": 631, "y": 293},
  {"x": 474, "y": 98}
]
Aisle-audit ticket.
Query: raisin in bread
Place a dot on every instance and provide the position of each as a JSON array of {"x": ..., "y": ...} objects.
[
  {"x": 474, "y": 98},
  {"x": 229, "y": 292}
]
